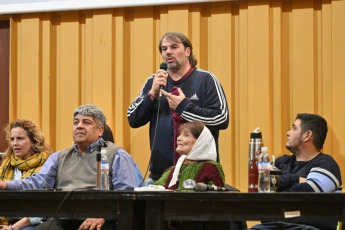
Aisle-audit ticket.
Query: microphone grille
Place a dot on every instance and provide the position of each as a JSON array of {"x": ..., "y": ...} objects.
[
  {"x": 200, "y": 187},
  {"x": 163, "y": 66}
]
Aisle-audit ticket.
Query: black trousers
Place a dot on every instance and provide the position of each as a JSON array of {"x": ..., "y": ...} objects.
[
  {"x": 67, "y": 224},
  {"x": 280, "y": 225},
  {"x": 207, "y": 225}
]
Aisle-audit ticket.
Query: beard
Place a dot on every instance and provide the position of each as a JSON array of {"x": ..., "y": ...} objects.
[
  {"x": 295, "y": 147},
  {"x": 291, "y": 149},
  {"x": 174, "y": 66}
]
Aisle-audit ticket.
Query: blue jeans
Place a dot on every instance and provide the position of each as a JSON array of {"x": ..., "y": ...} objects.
[
  {"x": 30, "y": 227},
  {"x": 148, "y": 182},
  {"x": 280, "y": 225}
]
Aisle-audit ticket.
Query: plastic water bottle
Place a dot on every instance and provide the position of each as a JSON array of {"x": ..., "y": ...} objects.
[
  {"x": 264, "y": 172},
  {"x": 104, "y": 184}
]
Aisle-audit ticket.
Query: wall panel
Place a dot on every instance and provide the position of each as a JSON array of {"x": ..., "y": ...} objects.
[
  {"x": 48, "y": 67},
  {"x": 240, "y": 101},
  {"x": 29, "y": 69},
  {"x": 142, "y": 66},
  {"x": 120, "y": 84},
  {"x": 259, "y": 109},
  {"x": 68, "y": 76},
  {"x": 302, "y": 54},
  {"x": 4, "y": 79},
  {"x": 273, "y": 58},
  {"x": 221, "y": 15},
  {"x": 338, "y": 81},
  {"x": 277, "y": 137},
  {"x": 102, "y": 77},
  {"x": 325, "y": 65}
]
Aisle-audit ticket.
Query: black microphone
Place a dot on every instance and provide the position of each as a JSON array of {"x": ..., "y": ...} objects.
[
  {"x": 207, "y": 187},
  {"x": 163, "y": 66}
]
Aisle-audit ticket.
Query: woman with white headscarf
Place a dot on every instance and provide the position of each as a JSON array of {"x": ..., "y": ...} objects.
[{"x": 197, "y": 161}]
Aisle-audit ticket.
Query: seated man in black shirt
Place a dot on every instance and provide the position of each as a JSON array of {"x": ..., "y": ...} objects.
[{"x": 307, "y": 170}]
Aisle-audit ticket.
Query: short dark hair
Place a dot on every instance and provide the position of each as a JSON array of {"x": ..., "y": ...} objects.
[
  {"x": 195, "y": 128},
  {"x": 318, "y": 126},
  {"x": 179, "y": 37}
]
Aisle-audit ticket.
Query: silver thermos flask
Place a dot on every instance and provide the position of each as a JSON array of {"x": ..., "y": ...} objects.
[{"x": 255, "y": 145}]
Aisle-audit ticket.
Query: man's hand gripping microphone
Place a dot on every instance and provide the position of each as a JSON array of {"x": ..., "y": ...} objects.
[{"x": 163, "y": 66}]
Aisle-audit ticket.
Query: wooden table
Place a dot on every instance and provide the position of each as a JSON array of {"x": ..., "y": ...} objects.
[{"x": 153, "y": 209}]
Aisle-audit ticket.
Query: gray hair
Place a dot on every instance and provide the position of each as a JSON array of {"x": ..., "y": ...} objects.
[{"x": 93, "y": 111}]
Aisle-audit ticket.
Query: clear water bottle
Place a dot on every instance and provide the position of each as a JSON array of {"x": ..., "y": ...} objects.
[
  {"x": 264, "y": 172},
  {"x": 104, "y": 182}
]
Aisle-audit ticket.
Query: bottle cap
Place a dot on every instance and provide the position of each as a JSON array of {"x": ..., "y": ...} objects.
[
  {"x": 263, "y": 149},
  {"x": 256, "y": 133},
  {"x": 103, "y": 151}
]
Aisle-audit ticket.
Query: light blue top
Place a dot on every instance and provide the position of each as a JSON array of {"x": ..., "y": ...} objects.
[{"x": 125, "y": 173}]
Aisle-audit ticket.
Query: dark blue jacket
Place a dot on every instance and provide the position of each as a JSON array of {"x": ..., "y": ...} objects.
[{"x": 205, "y": 101}]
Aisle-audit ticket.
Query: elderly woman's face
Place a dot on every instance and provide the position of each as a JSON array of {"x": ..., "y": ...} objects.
[
  {"x": 21, "y": 143},
  {"x": 185, "y": 142}
]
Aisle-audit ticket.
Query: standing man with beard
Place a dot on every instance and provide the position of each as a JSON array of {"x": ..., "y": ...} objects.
[
  {"x": 189, "y": 94},
  {"x": 308, "y": 169}
]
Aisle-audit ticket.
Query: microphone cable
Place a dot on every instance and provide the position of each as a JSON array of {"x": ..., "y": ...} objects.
[
  {"x": 163, "y": 66},
  {"x": 63, "y": 201},
  {"x": 153, "y": 143}
]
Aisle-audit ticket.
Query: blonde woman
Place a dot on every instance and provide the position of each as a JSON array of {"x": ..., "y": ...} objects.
[{"x": 24, "y": 156}]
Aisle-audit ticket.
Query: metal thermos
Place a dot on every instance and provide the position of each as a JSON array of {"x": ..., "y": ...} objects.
[{"x": 255, "y": 145}]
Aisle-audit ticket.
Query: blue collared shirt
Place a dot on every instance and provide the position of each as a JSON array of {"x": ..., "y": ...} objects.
[{"x": 125, "y": 172}]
